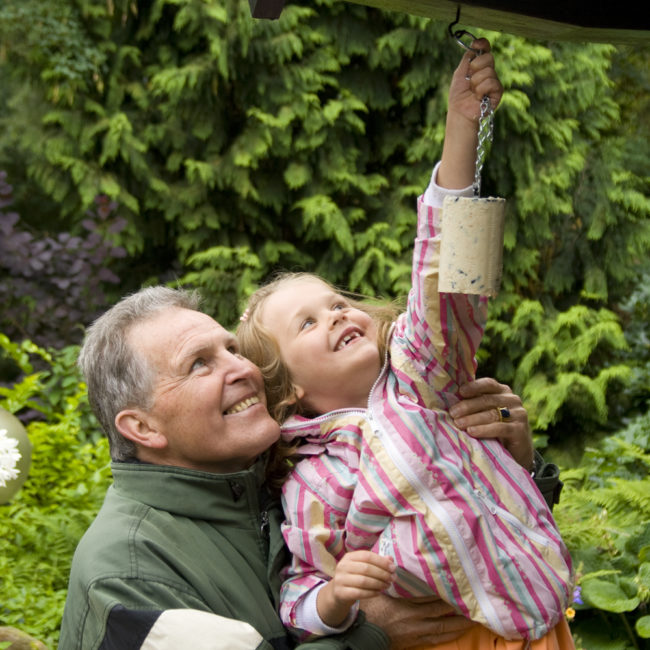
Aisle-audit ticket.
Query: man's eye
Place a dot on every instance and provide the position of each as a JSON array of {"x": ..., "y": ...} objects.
[
  {"x": 198, "y": 363},
  {"x": 234, "y": 350}
]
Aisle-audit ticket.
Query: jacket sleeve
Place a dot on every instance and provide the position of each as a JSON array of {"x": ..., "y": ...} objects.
[
  {"x": 107, "y": 625},
  {"x": 129, "y": 614},
  {"x": 440, "y": 332},
  {"x": 313, "y": 531},
  {"x": 316, "y": 500}
]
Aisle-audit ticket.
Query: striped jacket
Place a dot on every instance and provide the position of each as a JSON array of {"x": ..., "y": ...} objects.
[{"x": 459, "y": 516}]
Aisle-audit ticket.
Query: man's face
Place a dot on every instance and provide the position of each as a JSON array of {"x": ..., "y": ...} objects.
[{"x": 208, "y": 401}]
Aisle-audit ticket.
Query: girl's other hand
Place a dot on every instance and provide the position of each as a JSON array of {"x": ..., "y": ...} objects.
[{"x": 359, "y": 575}]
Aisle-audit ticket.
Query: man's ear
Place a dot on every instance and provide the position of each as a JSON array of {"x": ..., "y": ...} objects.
[{"x": 137, "y": 426}]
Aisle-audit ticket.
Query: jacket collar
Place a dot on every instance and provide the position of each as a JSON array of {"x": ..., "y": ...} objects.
[{"x": 191, "y": 493}]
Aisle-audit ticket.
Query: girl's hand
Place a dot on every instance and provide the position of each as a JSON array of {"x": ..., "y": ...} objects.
[
  {"x": 359, "y": 575},
  {"x": 478, "y": 414},
  {"x": 474, "y": 78}
]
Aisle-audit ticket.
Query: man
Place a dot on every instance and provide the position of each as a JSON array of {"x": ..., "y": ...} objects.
[{"x": 186, "y": 550}]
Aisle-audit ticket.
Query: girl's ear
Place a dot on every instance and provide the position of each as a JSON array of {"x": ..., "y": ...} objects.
[
  {"x": 137, "y": 426},
  {"x": 298, "y": 394}
]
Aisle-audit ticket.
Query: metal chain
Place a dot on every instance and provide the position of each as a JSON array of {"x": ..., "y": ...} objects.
[{"x": 485, "y": 132}]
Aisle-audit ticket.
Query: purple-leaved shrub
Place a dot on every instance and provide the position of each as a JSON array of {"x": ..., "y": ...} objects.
[{"x": 52, "y": 283}]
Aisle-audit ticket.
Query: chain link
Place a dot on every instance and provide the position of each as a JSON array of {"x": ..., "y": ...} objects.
[{"x": 485, "y": 133}]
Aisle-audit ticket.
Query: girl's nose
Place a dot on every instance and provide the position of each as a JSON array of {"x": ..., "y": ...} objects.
[{"x": 336, "y": 316}]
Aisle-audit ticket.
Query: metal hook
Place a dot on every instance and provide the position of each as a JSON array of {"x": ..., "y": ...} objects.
[{"x": 459, "y": 34}]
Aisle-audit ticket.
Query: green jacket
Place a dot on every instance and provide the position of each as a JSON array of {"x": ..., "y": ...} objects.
[{"x": 178, "y": 559}]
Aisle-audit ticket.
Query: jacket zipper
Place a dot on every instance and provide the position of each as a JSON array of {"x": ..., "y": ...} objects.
[
  {"x": 459, "y": 545},
  {"x": 264, "y": 525},
  {"x": 498, "y": 511}
]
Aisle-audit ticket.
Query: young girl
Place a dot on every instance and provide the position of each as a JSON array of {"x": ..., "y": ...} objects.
[{"x": 388, "y": 495}]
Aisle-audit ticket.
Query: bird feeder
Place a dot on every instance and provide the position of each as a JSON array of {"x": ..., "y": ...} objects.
[{"x": 471, "y": 248}]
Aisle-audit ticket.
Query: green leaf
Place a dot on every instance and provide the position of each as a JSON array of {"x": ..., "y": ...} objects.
[
  {"x": 642, "y": 627},
  {"x": 643, "y": 576},
  {"x": 608, "y": 596},
  {"x": 296, "y": 175}
]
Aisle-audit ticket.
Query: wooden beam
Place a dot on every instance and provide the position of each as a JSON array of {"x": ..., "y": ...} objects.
[
  {"x": 553, "y": 20},
  {"x": 266, "y": 8},
  {"x": 597, "y": 21}
]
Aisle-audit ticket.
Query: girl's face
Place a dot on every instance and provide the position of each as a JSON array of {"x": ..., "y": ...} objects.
[{"x": 329, "y": 347}]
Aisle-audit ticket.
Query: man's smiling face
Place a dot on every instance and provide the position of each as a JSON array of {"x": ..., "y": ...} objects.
[{"x": 208, "y": 401}]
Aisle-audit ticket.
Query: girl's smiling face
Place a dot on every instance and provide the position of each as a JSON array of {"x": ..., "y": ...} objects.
[{"x": 329, "y": 346}]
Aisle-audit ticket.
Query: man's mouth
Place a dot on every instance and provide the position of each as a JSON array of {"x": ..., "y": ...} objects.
[
  {"x": 243, "y": 405},
  {"x": 345, "y": 340}
]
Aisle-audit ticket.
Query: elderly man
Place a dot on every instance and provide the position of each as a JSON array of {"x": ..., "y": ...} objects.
[{"x": 186, "y": 551}]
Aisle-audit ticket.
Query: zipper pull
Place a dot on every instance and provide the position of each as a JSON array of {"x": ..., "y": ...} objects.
[
  {"x": 264, "y": 526},
  {"x": 486, "y": 502}
]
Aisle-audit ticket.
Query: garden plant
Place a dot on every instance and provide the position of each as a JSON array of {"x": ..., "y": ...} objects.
[{"x": 183, "y": 142}]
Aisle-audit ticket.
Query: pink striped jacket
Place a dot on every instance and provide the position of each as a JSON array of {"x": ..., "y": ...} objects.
[{"x": 459, "y": 516}]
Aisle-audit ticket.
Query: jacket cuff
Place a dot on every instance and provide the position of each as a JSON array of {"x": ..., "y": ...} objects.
[{"x": 434, "y": 195}]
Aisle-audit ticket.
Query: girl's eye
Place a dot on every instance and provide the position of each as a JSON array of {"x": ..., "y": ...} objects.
[
  {"x": 306, "y": 323},
  {"x": 340, "y": 306}
]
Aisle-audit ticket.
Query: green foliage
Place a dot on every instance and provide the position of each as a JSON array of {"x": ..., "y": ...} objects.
[
  {"x": 580, "y": 229},
  {"x": 556, "y": 368},
  {"x": 40, "y": 528},
  {"x": 604, "y": 516},
  {"x": 636, "y": 316},
  {"x": 236, "y": 147}
]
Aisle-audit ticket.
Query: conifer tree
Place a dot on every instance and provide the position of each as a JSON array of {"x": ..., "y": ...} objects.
[{"x": 236, "y": 147}]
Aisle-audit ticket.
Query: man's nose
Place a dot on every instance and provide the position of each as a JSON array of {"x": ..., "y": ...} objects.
[{"x": 238, "y": 367}]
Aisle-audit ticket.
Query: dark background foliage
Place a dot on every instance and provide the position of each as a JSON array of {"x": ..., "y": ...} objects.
[{"x": 53, "y": 283}]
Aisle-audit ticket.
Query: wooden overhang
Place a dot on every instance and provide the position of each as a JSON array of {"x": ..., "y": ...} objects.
[{"x": 597, "y": 21}]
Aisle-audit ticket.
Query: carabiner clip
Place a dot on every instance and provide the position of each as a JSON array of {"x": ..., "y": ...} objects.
[{"x": 461, "y": 34}]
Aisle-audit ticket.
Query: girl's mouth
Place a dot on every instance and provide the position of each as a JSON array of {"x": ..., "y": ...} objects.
[{"x": 346, "y": 338}]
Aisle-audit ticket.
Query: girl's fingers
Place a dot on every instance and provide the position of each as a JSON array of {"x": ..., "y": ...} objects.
[
  {"x": 357, "y": 565},
  {"x": 481, "y": 44},
  {"x": 485, "y": 82}
]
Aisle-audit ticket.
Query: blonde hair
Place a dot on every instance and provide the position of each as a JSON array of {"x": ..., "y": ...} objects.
[{"x": 259, "y": 345}]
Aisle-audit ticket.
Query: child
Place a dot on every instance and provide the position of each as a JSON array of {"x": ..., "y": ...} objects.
[{"x": 388, "y": 495}]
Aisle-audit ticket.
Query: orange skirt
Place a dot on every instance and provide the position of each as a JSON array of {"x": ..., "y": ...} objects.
[{"x": 480, "y": 638}]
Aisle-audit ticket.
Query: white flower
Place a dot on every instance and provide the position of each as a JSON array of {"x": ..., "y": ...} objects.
[{"x": 9, "y": 456}]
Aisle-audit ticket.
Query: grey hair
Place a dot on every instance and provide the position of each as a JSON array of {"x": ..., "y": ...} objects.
[{"x": 117, "y": 376}]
